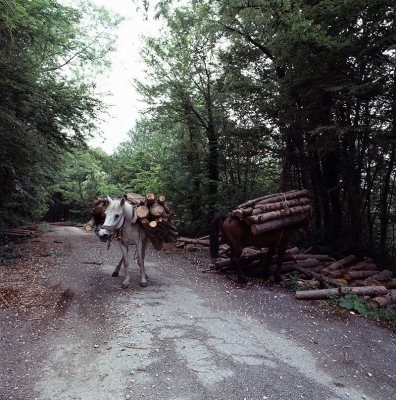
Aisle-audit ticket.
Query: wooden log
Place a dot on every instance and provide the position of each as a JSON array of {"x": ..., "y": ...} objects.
[
  {"x": 193, "y": 241},
  {"x": 149, "y": 199},
  {"x": 339, "y": 264},
  {"x": 88, "y": 227},
  {"x": 296, "y": 266},
  {"x": 293, "y": 194},
  {"x": 358, "y": 274},
  {"x": 166, "y": 224},
  {"x": 142, "y": 212},
  {"x": 152, "y": 234},
  {"x": 389, "y": 283},
  {"x": 278, "y": 223},
  {"x": 260, "y": 209},
  {"x": 278, "y": 214},
  {"x": 134, "y": 198},
  {"x": 342, "y": 281},
  {"x": 157, "y": 210},
  {"x": 319, "y": 257},
  {"x": 318, "y": 276},
  {"x": 340, "y": 291},
  {"x": 385, "y": 300},
  {"x": 161, "y": 200},
  {"x": 166, "y": 233},
  {"x": 18, "y": 234},
  {"x": 362, "y": 266},
  {"x": 381, "y": 276},
  {"x": 194, "y": 247},
  {"x": 242, "y": 212},
  {"x": 381, "y": 301},
  {"x": 222, "y": 263},
  {"x": 335, "y": 274},
  {"x": 357, "y": 282}
]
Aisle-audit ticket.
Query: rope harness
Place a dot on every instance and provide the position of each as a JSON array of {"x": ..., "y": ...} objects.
[{"x": 118, "y": 231}]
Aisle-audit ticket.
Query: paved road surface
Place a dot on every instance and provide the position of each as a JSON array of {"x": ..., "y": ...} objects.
[{"x": 193, "y": 336}]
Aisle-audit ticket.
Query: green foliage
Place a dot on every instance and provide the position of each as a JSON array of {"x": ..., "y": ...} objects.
[
  {"x": 45, "y": 227},
  {"x": 351, "y": 301},
  {"x": 49, "y": 100},
  {"x": 242, "y": 100}
]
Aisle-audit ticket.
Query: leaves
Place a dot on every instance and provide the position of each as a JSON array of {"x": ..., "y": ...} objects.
[{"x": 48, "y": 106}]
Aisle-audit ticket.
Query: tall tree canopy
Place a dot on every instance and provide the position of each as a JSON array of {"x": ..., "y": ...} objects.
[
  {"x": 47, "y": 55},
  {"x": 276, "y": 95},
  {"x": 242, "y": 98}
]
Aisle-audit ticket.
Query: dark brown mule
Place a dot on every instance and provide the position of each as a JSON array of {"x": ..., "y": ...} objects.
[{"x": 238, "y": 235}]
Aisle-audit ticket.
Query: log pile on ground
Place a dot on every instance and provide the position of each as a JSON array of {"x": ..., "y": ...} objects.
[
  {"x": 22, "y": 231},
  {"x": 319, "y": 274},
  {"x": 274, "y": 211},
  {"x": 152, "y": 213}
]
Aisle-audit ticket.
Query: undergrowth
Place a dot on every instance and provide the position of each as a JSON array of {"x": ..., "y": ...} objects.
[{"x": 351, "y": 301}]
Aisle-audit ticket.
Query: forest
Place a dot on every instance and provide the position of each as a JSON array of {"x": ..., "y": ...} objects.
[{"x": 242, "y": 98}]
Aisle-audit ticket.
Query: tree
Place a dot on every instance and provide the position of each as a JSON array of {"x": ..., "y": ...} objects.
[{"x": 48, "y": 103}]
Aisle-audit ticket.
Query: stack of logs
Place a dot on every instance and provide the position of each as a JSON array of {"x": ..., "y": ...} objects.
[
  {"x": 155, "y": 217},
  {"x": 97, "y": 214},
  {"x": 153, "y": 214},
  {"x": 316, "y": 270},
  {"x": 274, "y": 211},
  {"x": 22, "y": 231}
]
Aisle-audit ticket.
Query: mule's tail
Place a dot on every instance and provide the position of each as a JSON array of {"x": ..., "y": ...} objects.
[{"x": 214, "y": 230}]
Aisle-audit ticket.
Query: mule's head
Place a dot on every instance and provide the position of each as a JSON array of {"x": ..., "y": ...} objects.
[{"x": 114, "y": 219}]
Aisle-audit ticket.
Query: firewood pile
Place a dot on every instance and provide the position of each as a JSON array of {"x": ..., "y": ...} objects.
[
  {"x": 322, "y": 274},
  {"x": 155, "y": 218},
  {"x": 23, "y": 231},
  {"x": 275, "y": 211},
  {"x": 152, "y": 213}
]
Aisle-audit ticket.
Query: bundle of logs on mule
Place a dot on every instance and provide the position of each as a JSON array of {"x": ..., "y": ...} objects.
[
  {"x": 274, "y": 211},
  {"x": 316, "y": 271},
  {"x": 155, "y": 217},
  {"x": 152, "y": 213},
  {"x": 97, "y": 214}
]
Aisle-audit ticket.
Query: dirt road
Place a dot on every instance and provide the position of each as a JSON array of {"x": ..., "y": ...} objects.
[{"x": 187, "y": 336}]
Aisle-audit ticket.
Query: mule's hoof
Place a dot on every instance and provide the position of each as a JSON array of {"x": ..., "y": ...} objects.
[
  {"x": 114, "y": 274},
  {"x": 143, "y": 284},
  {"x": 125, "y": 286}
]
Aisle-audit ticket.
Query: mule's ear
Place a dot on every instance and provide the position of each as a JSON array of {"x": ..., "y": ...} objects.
[
  {"x": 122, "y": 202},
  {"x": 109, "y": 199}
]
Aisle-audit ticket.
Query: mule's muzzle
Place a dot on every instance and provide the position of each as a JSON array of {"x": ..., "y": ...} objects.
[{"x": 104, "y": 235}]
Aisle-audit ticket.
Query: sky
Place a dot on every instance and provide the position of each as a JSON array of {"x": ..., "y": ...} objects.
[{"x": 126, "y": 66}]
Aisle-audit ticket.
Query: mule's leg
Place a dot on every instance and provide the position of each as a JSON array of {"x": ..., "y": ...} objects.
[
  {"x": 141, "y": 251},
  {"x": 235, "y": 259},
  {"x": 281, "y": 253},
  {"x": 124, "y": 249},
  {"x": 117, "y": 268},
  {"x": 266, "y": 271}
]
